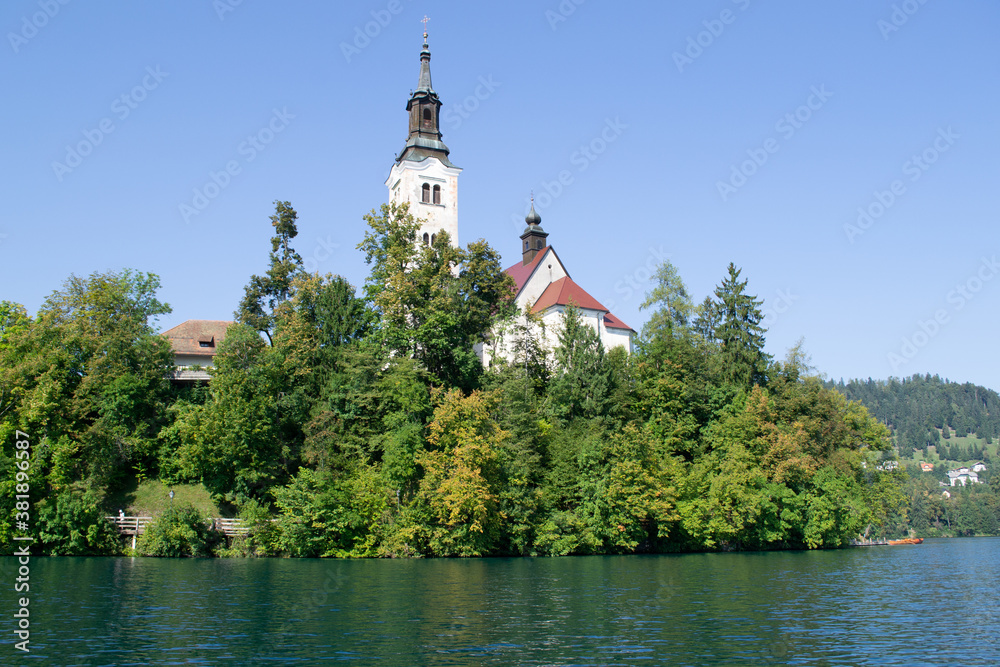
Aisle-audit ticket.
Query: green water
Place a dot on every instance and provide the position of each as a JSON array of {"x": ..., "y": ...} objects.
[{"x": 934, "y": 604}]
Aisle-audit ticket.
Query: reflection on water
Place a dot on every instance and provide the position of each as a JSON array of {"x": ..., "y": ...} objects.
[{"x": 932, "y": 604}]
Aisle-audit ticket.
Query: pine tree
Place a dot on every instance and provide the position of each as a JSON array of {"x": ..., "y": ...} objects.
[
  {"x": 742, "y": 358},
  {"x": 265, "y": 294}
]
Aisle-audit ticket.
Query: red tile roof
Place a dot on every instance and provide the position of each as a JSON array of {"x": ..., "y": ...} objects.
[
  {"x": 561, "y": 292},
  {"x": 186, "y": 338},
  {"x": 521, "y": 273},
  {"x": 612, "y": 322}
]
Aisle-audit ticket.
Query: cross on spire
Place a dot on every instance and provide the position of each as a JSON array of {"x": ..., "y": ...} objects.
[{"x": 424, "y": 21}]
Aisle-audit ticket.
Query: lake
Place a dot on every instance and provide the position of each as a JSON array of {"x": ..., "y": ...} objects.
[{"x": 933, "y": 604}]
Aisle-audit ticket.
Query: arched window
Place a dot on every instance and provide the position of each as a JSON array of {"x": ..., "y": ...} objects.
[
  {"x": 427, "y": 113},
  {"x": 427, "y": 239},
  {"x": 433, "y": 238},
  {"x": 538, "y": 244},
  {"x": 525, "y": 245},
  {"x": 437, "y": 194},
  {"x": 425, "y": 193}
]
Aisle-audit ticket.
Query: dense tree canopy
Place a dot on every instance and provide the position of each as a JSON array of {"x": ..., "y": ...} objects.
[{"x": 340, "y": 425}]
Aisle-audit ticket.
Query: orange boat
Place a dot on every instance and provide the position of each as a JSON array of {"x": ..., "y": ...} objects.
[{"x": 908, "y": 540}]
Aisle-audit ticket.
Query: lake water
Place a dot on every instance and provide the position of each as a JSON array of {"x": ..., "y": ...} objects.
[{"x": 933, "y": 604}]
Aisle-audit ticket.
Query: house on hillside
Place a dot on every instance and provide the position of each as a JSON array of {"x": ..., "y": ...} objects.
[
  {"x": 979, "y": 467},
  {"x": 963, "y": 476},
  {"x": 195, "y": 344},
  {"x": 926, "y": 467}
]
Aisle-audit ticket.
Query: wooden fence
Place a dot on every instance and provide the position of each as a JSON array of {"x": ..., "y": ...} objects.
[{"x": 136, "y": 525}]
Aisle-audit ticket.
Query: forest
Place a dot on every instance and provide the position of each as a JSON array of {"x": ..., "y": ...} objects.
[
  {"x": 918, "y": 409},
  {"x": 347, "y": 423},
  {"x": 947, "y": 425}
]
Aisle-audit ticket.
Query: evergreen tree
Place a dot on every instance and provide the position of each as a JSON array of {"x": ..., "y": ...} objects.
[
  {"x": 582, "y": 382},
  {"x": 742, "y": 359},
  {"x": 264, "y": 295},
  {"x": 706, "y": 320}
]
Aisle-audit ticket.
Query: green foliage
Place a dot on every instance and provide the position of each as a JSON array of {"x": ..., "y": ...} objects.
[
  {"x": 323, "y": 516},
  {"x": 88, "y": 375},
  {"x": 264, "y": 295},
  {"x": 459, "y": 492},
  {"x": 914, "y": 406},
  {"x": 433, "y": 303},
  {"x": 72, "y": 524},
  {"x": 671, "y": 299},
  {"x": 178, "y": 533},
  {"x": 582, "y": 383},
  {"x": 742, "y": 360},
  {"x": 233, "y": 443},
  {"x": 368, "y": 427}
]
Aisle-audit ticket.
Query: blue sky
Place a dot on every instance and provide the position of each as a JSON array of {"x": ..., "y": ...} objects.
[{"x": 733, "y": 130}]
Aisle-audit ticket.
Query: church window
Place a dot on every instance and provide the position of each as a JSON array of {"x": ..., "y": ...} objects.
[
  {"x": 433, "y": 238},
  {"x": 538, "y": 244},
  {"x": 437, "y": 194},
  {"x": 427, "y": 114},
  {"x": 427, "y": 239},
  {"x": 525, "y": 245},
  {"x": 425, "y": 193}
]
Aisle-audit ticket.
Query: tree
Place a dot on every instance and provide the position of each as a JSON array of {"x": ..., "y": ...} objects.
[
  {"x": 628, "y": 492},
  {"x": 234, "y": 443},
  {"x": 264, "y": 295},
  {"x": 180, "y": 532},
  {"x": 742, "y": 359},
  {"x": 706, "y": 320},
  {"x": 526, "y": 340},
  {"x": 671, "y": 299},
  {"x": 582, "y": 382},
  {"x": 434, "y": 303},
  {"x": 322, "y": 316},
  {"x": 324, "y": 515},
  {"x": 89, "y": 375},
  {"x": 459, "y": 493},
  {"x": 72, "y": 524}
]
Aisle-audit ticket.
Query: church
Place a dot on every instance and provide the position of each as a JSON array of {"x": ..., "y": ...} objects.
[{"x": 424, "y": 176}]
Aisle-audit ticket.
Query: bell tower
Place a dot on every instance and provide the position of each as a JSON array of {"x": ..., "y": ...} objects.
[
  {"x": 533, "y": 238},
  {"x": 422, "y": 173}
]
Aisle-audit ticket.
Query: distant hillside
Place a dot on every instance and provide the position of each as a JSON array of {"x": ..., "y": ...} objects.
[{"x": 961, "y": 421}]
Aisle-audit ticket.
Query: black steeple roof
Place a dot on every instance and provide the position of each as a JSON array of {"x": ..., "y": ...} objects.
[{"x": 424, "y": 139}]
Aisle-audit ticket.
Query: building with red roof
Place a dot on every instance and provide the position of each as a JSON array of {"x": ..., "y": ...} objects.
[
  {"x": 424, "y": 177},
  {"x": 544, "y": 288},
  {"x": 195, "y": 344}
]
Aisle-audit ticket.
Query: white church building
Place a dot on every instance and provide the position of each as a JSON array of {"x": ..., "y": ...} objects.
[{"x": 424, "y": 177}]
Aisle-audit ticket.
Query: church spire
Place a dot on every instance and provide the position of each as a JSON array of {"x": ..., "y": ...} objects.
[
  {"x": 533, "y": 237},
  {"x": 424, "y": 139},
  {"x": 425, "y": 64}
]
